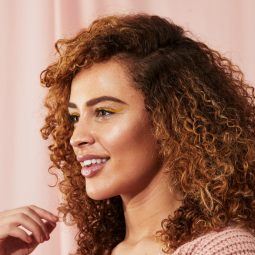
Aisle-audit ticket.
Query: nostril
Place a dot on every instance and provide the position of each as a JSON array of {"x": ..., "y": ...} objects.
[
  {"x": 77, "y": 143},
  {"x": 81, "y": 142}
]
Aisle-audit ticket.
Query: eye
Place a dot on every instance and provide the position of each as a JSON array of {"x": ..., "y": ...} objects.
[
  {"x": 102, "y": 112},
  {"x": 73, "y": 118}
]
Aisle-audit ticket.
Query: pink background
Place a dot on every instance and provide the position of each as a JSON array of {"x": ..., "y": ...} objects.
[{"x": 29, "y": 29}]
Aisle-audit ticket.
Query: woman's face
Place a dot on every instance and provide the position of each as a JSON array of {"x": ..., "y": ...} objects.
[{"x": 118, "y": 130}]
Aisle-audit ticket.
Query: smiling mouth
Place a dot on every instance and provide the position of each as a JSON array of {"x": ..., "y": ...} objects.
[{"x": 89, "y": 171}]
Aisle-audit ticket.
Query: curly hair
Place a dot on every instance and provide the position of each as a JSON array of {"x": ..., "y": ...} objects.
[{"x": 203, "y": 113}]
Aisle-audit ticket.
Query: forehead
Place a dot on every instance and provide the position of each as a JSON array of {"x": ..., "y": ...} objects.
[{"x": 104, "y": 79}]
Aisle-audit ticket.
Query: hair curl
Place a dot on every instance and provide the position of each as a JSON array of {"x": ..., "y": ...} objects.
[{"x": 203, "y": 113}]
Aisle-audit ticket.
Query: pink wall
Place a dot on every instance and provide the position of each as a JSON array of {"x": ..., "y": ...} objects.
[{"x": 29, "y": 29}]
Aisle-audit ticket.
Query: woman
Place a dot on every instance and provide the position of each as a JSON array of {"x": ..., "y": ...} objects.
[{"x": 154, "y": 133}]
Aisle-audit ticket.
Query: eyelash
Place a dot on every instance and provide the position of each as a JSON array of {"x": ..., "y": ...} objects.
[{"x": 72, "y": 120}]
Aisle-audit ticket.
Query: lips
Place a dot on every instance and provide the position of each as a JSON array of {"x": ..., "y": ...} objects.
[
  {"x": 82, "y": 158},
  {"x": 89, "y": 171}
]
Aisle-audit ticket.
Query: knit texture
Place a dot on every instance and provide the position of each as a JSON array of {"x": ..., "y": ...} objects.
[{"x": 229, "y": 241}]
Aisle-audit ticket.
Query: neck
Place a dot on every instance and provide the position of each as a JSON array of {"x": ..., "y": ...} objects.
[{"x": 145, "y": 211}]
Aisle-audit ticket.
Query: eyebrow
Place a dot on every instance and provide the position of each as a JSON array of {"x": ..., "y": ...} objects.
[{"x": 97, "y": 100}]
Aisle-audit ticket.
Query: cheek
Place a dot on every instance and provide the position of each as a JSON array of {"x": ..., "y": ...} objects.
[
  {"x": 134, "y": 154},
  {"x": 130, "y": 140}
]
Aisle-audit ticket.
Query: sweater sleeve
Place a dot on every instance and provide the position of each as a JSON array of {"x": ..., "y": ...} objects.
[{"x": 231, "y": 241}]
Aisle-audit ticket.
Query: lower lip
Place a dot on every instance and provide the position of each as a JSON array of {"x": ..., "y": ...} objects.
[{"x": 89, "y": 171}]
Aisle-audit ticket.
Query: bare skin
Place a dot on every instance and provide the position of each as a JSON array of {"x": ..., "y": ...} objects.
[
  {"x": 14, "y": 240},
  {"x": 158, "y": 202},
  {"x": 123, "y": 132}
]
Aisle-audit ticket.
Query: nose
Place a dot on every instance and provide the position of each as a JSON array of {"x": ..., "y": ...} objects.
[{"x": 81, "y": 136}]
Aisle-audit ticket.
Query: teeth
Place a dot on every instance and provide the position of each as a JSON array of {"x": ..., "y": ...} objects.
[{"x": 93, "y": 161}]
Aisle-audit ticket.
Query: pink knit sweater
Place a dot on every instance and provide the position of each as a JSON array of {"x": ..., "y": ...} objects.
[{"x": 229, "y": 241}]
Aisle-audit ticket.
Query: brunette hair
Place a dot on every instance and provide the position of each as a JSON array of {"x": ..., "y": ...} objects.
[{"x": 203, "y": 113}]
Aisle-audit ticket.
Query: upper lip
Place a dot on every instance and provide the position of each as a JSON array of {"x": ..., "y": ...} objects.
[{"x": 90, "y": 156}]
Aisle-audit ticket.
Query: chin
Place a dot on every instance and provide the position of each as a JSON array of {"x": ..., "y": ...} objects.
[{"x": 98, "y": 194}]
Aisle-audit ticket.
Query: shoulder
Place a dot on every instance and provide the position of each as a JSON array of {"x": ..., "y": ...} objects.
[{"x": 231, "y": 240}]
